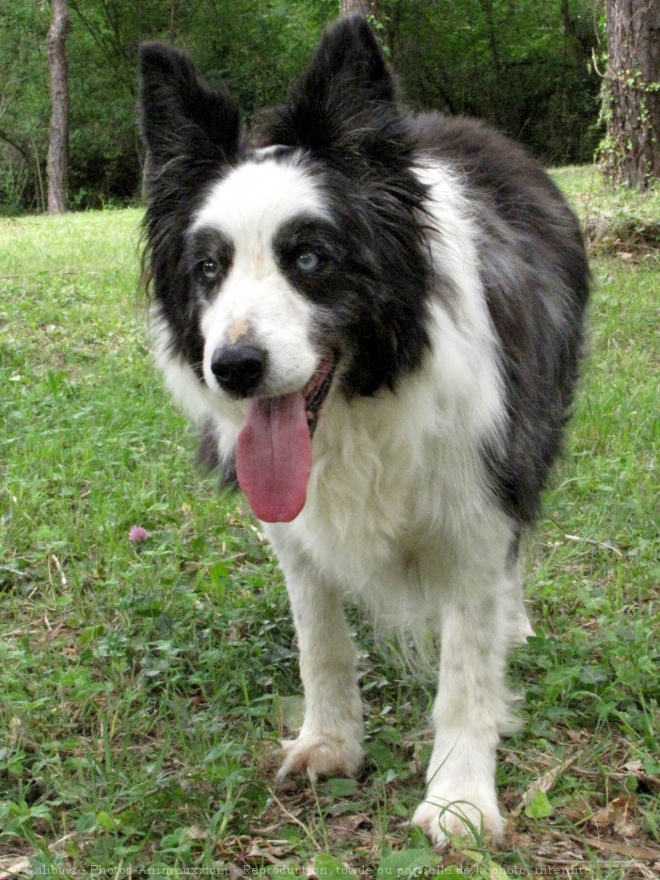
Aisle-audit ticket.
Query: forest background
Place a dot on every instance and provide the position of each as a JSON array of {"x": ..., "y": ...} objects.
[{"x": 530, "y": 68}]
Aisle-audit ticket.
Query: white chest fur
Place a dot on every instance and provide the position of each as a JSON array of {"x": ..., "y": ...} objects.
[{"x": 398, "y": 484}]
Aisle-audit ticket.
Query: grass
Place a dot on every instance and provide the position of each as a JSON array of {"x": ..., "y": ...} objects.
[{"x": 143, "y": 686}]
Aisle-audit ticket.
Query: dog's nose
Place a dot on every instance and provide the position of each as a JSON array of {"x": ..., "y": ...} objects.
[{"x": 239, "y": 368}]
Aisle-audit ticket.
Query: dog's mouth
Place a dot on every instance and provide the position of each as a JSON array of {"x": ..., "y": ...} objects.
[
  {"x": 274, "y": 450},
  {"x": 316, "y": 390}
]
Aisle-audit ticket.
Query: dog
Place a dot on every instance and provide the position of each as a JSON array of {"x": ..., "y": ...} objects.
[{"x": 377, "y": 319}]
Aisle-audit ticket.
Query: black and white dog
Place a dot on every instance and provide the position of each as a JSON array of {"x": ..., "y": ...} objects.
[{"x": 377, "y": 317}]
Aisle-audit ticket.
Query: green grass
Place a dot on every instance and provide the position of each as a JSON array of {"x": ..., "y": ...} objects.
[
  {"x": 618, "y": 221},
  {"x": 143, "y": 685}
]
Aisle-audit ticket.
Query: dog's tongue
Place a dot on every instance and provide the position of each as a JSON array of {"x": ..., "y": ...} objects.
[{"x": 274, "y": 457}]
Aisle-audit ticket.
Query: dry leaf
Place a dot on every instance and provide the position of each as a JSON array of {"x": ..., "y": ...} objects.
[
  {"x": 14, "y": 868},
  {"x": 619, "y": 815},
  {"x": 196, "y": 832},
  {"x": 636, "y": 768},
  {"x": 269, "y": 850},
  {"x": 543, "y": 784},
  {"x": 631, "y": 851}
]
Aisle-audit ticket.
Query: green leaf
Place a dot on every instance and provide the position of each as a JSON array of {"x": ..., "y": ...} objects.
[
  {"x": 327, "y": 866},
  {"x": 592, "y": 675},
  {"x": 106, "y": 821},
  {"x": 86, "y": 823},
  {"x": 90, "y": 633},
  {"x": 381, "y": 756},
  {"x": 340, "y": 788},
  {"x": 407, "y": 862},
  {"x": 539, "y": 807}
]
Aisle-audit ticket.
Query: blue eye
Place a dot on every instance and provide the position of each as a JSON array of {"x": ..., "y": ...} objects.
[
  {"x": 210, "y": 269},
  {"x": 308, "y": 261}
]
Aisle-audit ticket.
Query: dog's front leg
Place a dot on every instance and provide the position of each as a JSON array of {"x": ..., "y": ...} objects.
[
  {"x": 329, "y": 742},
  {"x": 470, "y": 711}
]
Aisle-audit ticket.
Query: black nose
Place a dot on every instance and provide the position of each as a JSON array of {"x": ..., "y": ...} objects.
[{"x": 239, "y": 368}]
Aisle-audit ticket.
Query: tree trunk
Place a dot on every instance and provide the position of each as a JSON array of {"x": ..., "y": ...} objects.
[
  {"x": 58, "y": 147},
  {"x": 631, "y": 93},
  {"x": 366, "y": 7}
]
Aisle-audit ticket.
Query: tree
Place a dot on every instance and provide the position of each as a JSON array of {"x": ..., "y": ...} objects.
[
  {"x": 58, "y": 149},
  {"x": 366, "y": 7},
  {"x": 631, "y": 93}
]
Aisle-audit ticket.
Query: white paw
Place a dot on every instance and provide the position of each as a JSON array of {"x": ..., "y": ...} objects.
[
  {"x": 465, "y": 816},
  {"x": 320, "y": 755}
]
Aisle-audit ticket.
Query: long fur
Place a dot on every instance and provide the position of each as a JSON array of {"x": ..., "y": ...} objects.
[{"x": 449, "y": 282}]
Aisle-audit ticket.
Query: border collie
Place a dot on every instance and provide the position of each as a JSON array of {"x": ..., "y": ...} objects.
[{"x": 377, "y": 319}]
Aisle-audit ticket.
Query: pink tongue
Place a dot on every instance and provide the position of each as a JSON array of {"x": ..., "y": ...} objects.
[{"x": 274, "y": 457}]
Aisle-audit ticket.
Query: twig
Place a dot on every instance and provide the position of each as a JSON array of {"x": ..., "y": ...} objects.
[
  {"x": 543, "y": 784},
  {"x": 594, "y": 543},
  {"x": 56, "y": 563},
  {"x": 295, "y": 819}
]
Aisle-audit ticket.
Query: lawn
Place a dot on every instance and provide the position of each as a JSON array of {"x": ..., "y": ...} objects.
[{"x": 144, "y": 685}]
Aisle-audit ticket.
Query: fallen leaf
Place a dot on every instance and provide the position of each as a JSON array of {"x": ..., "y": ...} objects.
[
  {"x": 619, "y": 815},
  {"x": 542, "y": 785},
  {"x": 636, "y": 768},
  {"x": 196, "y": 832},
  {"x": 624, "y": 849},
  {"x": 539, "y": 807},
  {"x": 14, "y": 867},
  {"x": 269, "y": 850}
]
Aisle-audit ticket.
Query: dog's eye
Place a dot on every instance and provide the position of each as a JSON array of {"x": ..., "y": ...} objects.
[
  {"x": 210, "y": 269},
  {"x": 308, "y": 261}
]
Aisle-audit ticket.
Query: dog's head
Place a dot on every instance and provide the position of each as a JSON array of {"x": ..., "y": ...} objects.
[{"x": 290, "y": 264}]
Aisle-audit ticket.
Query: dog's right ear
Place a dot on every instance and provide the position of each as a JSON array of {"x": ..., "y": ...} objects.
[{"x": 181, "y": 116}]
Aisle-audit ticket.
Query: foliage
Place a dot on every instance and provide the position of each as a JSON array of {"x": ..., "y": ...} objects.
[
  {"x": 24, "y": 104},
  {"x": 144, "y": 685},
  {"x": 518, "y": 63}
]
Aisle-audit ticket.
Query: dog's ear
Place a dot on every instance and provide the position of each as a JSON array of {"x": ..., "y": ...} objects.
[
  {"x": 181, "y": 116},
  {"x": 347, "y": 97}
]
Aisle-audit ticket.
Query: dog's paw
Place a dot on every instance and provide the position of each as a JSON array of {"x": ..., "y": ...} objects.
[
  {"x": 320, "y": 755},
  {"x": 442, "y": 818}
]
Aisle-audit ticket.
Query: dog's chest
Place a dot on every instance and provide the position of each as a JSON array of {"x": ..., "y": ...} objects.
[{"x": 387, "y": 491}]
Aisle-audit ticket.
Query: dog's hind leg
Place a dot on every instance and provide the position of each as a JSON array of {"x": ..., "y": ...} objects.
[{"x": 329, "y": 742}]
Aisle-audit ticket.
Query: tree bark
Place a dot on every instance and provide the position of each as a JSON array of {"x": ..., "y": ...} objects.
[
  {"x": 366, "y": 7},
  {"x": 631, "y": 93},
  {"x": 58, "y": 147}
]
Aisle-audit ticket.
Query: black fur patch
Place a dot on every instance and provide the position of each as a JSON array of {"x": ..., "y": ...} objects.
[
  {"x": 536, "y": 276},
  {"x": 209, "y": 460},
  {"x": 191, "y": 133}
]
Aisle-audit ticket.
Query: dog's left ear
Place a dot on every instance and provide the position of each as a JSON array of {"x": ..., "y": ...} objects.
[{"x": 347, "y": 98}]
